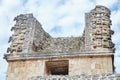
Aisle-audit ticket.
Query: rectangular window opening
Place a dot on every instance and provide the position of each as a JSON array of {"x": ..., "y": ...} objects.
[{"x": 59, "y": 67}]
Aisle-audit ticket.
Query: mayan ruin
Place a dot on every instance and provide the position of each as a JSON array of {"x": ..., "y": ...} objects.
[{"x": 35, "y": 55}]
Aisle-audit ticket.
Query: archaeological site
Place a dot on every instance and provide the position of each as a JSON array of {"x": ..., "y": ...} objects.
[{"x": 35, "y": 55}]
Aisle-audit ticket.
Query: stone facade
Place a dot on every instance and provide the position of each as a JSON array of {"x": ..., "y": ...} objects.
[
  {"x": 34, "y": 52},
  {"x": 30, "y": 37},
  {"x": 97, "y": 30},
  {"x": 24, "y": 69}
]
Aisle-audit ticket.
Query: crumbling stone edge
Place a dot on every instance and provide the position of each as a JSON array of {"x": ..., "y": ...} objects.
[{"x": 78, "y": 77}]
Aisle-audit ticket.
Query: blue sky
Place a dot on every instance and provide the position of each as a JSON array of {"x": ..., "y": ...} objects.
[{"x": 58, "y": 17}]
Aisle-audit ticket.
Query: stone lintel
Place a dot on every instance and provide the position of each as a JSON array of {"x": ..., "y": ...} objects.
[{"x": 10, "y": 57}]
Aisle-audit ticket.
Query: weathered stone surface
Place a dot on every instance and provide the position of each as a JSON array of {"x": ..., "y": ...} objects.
[
  {"x": 97, "y": 30},
  {"x": 32, "y": 48},
  {"x": 29, "y": 35},
  {"x": 78, "y": 77},
  {"x": 24, "y": 69}
]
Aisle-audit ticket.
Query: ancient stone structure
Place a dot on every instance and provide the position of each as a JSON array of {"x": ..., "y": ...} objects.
[{"x": 33, "y": 52}]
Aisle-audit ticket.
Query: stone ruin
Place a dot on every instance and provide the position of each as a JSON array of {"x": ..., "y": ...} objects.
[
  {"x": 29, "y": 35},
  {"x": 34, "y": 53}
]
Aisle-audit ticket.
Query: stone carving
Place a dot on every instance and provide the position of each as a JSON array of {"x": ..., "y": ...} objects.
[
  {"x": 10, "y": 39},
  {"x": 32, "y": 48},
  {"x": 30, "y": 36},
  {"x": 8, "y": 50},
  {"x": 29, "y": 32},
  {"x": 98, "y": 24},
  {"x": 12, "y": 28}
]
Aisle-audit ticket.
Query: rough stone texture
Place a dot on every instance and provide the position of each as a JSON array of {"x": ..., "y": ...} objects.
[
  {"x": 78, "y": 77},
  {"x": 29, "y": 35},
  {"x": 24, "y": 69},
  {"x": 90, "y": 65},
  {"x": 68, "y": 44},
  {"x": 97, "y": 30},
  {"x": 31, "y": 47}
]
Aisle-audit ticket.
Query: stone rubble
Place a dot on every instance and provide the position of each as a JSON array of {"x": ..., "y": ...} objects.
[{"x": 78, "y": 77}]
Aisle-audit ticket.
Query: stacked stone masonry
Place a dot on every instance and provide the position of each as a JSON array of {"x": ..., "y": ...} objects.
[
  {"x": 29, "y": 35},
  {"x": 34, "y": 52},
  {"x": 78, "y": 77},
  {"x": 97, "y": 30}
]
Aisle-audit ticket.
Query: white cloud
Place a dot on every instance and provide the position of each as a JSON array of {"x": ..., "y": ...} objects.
[
  {"x": 10, "y": 4},
  {"x": 108, "y": 3},
  {"x": 117, "y": 64},
  {"x": 3, "y": 63},
  {"x": 116, "y": 37}
]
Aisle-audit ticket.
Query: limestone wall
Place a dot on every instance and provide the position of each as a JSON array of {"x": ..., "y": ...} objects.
[
  {"x": 90, "y": 65},
  {"x": 29, "y": 36},
  {"x": 30, "y": 42},
  {"x": 97, "y": 30},
  {"x": 68, "y": 44},
  {"x": 24, "y": 69}
]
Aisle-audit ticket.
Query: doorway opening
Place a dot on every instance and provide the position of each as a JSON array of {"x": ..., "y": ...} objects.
[{"x": 57, "y": 67}]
